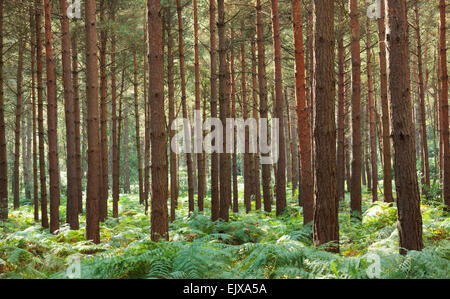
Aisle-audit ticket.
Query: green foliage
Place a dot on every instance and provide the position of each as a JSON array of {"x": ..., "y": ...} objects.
[{"x": 255, "y": 245}]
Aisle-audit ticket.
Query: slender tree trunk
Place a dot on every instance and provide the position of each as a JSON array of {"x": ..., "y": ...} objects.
[
  {"x": 33, "y": 114},
  {"x": 341, "y": 122},
  {"x": 77, "y": 117},
  {"x": 159, "y": 219},
  {"x": 439, "y": 109},
  {"x": 3, "y": 155},
  {"x": 408, "y": 199},
  {"x": 119, "y": 120},
  {"x": 372, "y": 118},
  {"x": 233, "y": 116},
  {"x": 387, "y": 169},
  {"x": 103, "y": 209},
  {"x": 19, "y": 95},
  {"x": 423, "y": 127},
  {"x": 115, "y": 135},
  {"x": 184, "y": 107},
  {"x": 444, "y": 104},
  {"x": 147, "y": 124},
  {"x": 264, "y": 110},
  {"x": 171, "y": 94},
  {"x": 303, "y": 117},
  {"x": 356, "y": 111},
  {"x": 94, "y": 152},
  {"x": 40, "y": 94},
  {"x": 290, "y": 150},
  {"x": 215, "y": 203},
  {"x": 280, "y": 179},
  {"x": 126, "y": 158},
  {"x": 138, "y": 130},
  {"x": 200, "y": 162},
  {"x": 224, "y": 103},
  {"x": 26, "y": 129},
  {"x": 247, "y": 173},
  {"x": 256, "y": 160},
  {"x": 72, "y": 185},
  {"x": 326, "y": 226},
  {"x": 235, "y": 205},
  {"x": 52, "y": 119}
]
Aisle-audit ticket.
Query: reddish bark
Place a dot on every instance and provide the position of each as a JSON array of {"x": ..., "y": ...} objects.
[
  {"x": 444, "y": 105},
  {"x": 94, "y": 154},
  {"x": 3, "y": 156},
  {"x": 408, "y": 199},
  {"x": 341, "y": 122},
  {"x": 171, "y": 95},
  {"x": 184, "y": 106},
  {"x": 72, "y": 185},
  {"x": 356, "y": 112},
  {"x": 264, "y": 110},
  {"x": 387, "y": 170},
  {"x": 372, "y": 119},
  {"x": 224, "y": 103},
  {"x": 215, "y": 203},
  {"x": 40, "y": 96},
  {"x": 326, "y": 226},
  {"x": 280, "y": 179},
  {"x": 303, "y": 116},
  {"x": 52, "y": 119},
  {"x": 159, "y": 213}
]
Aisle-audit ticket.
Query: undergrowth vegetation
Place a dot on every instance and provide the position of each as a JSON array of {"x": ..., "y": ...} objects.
[{"x": 257, "y": 245}]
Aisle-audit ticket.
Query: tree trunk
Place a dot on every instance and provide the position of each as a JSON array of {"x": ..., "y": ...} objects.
[
  {"x": 280, "y": 178},
  {"x": 94, "y": 152},
  {"x": 233, "y": 116},
  {"x": 303, "y": 117},
  {"x": 147, "y": 124},
  {"x": 356, "y": 111},
  {"x": 423, "y": 126},
  {"x": 341, "y": 122},
  {"x": 387, "y": 169},
  {"x": 184, "y": 107},
  {"x": 224, "y": 103},
  {"x": 171, "y": 94},
  {"x": 408, "y": 199},
  {"x": 256, "y": 172},
  {"x": 119, "y": 120},
  {"x": 103, "y": 209},
  {"x": 215, "y": 203},
  {"x": 372, "y": 119},
  {"x": 247, "y": 172},
  {"x": 115, "y": 135},
  {"x": 444, "y": 104},
  {"x": 72, "y": 185},
  {"x": 326, "y": 226},
  {"x": 3, "y": 155},
  {"x": 126, "y": 159},
  {"x": 264, "y": 110},
  {"x": 138, "y": 130},
  {"x": 33, "y": 115},
  {"x": 19, "y": 94},
  {"x": 159, "y": 213},
  {"x": 77, "y": 116},
  {"x": 52, "y": 119},
  {"x": 200, "y": 161},
  {"x": 42, "y": 158}
]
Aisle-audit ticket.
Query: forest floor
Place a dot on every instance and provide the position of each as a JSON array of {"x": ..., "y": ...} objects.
[{"x": 257, "y": 245}]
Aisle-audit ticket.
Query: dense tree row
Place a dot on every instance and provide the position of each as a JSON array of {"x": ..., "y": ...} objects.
[{"x": 116, "y": 82}]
